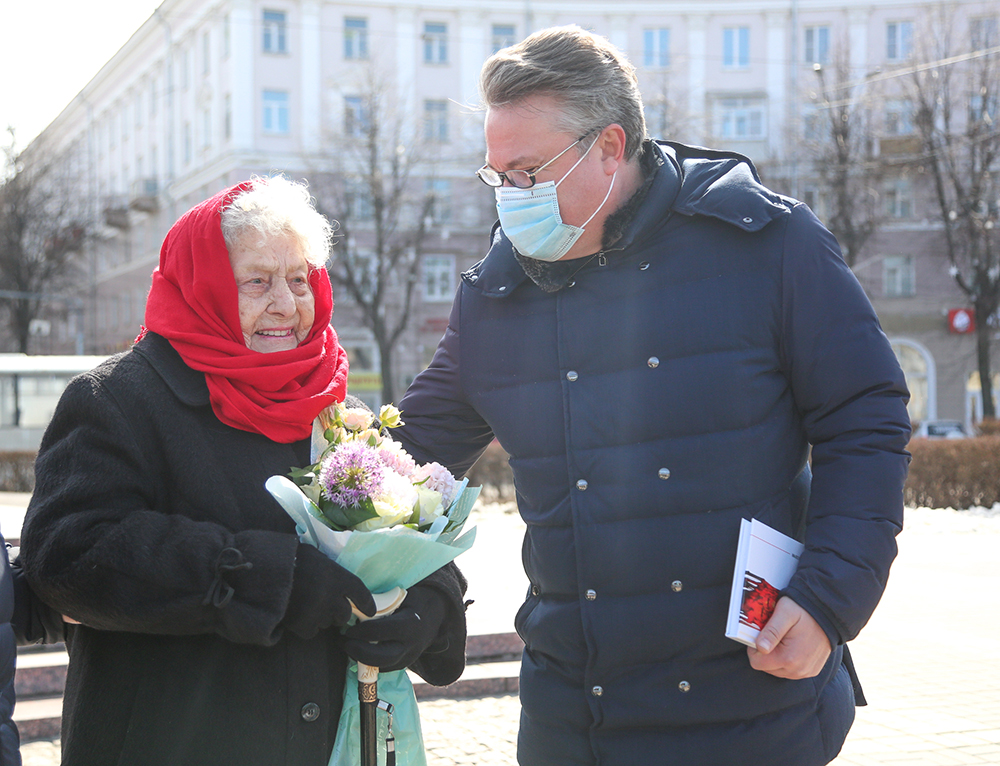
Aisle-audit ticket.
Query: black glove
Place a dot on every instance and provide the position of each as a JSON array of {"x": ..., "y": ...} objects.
[
  {"x": 401, "y": 637},
  {"x": 320, "y": 590}
]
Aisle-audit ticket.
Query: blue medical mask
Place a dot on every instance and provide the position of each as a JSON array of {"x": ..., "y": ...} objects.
[{"x": 531, "y": 221}]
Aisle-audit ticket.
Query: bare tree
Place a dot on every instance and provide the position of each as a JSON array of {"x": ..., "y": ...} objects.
[
  {"x": 40, "y": 232},
  {"x": 956, "y": 96},
  {"x": 842, "y": 149},
  {"x": 665, "y": 117},
  {"x": 370, "y": 190}
]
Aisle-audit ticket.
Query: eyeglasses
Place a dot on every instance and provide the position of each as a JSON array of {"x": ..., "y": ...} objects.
[{"x": 522, "y": 179}]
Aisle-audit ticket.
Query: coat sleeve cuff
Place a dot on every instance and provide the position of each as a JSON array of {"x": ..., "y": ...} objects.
[{"x": 444, "y": 662}]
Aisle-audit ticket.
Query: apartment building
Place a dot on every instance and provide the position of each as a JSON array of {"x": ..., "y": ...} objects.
[{"x": 204, "y": 94}]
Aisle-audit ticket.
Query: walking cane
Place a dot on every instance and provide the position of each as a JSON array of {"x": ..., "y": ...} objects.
[{"x": 385, "y": 603}]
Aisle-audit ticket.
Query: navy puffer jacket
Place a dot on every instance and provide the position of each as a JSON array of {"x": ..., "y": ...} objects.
[{"x": 673, "y": 387}]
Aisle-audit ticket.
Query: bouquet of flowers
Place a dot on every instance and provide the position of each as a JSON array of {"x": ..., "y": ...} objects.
[{"x": 367, "y": 504}]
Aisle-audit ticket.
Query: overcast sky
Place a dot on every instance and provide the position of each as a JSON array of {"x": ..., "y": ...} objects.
[{"x": 51, "y": 49}]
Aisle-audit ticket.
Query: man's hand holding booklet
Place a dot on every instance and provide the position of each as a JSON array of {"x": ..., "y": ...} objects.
[{"x": 765, "y": 562}]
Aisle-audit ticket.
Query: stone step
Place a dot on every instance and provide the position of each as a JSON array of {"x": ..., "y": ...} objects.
[
  {"x": 40, "y": 673},
  {"x": 38, "y": 718},
  {"x": 493, "y": 668},
  {"x": 477, "y": 681}
]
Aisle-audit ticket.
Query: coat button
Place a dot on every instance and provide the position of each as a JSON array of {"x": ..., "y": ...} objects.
[
  {"x": 644, "y": 265},
  {"x": 676, "y": 586},
  {"x": 572, "y": 375},
  {"x": 571, "y": 283},
  {"x": 591, "y": 595},
  {"x": 684, "y": 686},
  {"x": 597, "y": 691},
  {"x": 664, "y": 473},
  {"x": 502, "y": 288},
  {"x": 748, "y": 219},
  {"x": 535, "y": 590},
  {"x": 653, "y": 362},
  {"x": 310, "y": 711},
  {"x": 582, "y": 485}
]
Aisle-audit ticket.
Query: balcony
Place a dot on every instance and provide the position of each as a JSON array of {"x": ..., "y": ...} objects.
[
  {"x": 144, "y": 195},
  {"x": 116, "y": 212},
  {"x": 899, "y": 146}
]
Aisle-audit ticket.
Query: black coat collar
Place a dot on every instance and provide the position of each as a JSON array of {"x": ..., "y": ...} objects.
[{"x": 188, "y": 385}]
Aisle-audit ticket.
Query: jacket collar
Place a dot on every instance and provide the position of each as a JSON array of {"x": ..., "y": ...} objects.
[
  {"x": 722, "y": 185},
  {"x": 690, "y": 180},
  {"x": 188, "y": 385}
]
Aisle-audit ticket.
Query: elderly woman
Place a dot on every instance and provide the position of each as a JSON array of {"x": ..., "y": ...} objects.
[{"x": 207, "y": 634}]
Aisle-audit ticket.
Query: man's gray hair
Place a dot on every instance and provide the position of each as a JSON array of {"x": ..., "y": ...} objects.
[
  {"x": 594, "y": 81},
  {"x": 274, "y": 207}
]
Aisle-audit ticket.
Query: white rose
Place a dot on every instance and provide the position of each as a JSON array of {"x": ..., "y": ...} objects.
[
  {"x": 429, "y": 501},
  {"x": 356, "y": 419}
]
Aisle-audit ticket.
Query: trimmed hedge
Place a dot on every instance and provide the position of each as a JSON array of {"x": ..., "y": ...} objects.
[
  {"x": 954, "y": 473},
  {"x": 493, "y": 474},
  {"x": 17, "y": 471},
  {"x": 944, "y": 473}
]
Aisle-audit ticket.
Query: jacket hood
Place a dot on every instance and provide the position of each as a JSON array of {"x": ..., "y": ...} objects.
[{"x": 689, "y": 180}]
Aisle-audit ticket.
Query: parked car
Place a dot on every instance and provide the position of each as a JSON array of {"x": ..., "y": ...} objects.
[{"x": 941, "y": 429}]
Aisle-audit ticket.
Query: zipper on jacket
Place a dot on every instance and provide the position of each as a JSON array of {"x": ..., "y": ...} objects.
[{"x": 602, "y": 259}]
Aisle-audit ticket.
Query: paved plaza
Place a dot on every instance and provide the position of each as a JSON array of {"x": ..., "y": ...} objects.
[{"x": 929, "y": 660}]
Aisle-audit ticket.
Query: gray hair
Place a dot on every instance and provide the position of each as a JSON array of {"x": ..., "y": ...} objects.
[
  {"x": 593, "y": 81},
  {"x": 276, "y": 206}
]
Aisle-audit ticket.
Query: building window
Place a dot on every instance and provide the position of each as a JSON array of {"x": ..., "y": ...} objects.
[
  {"x": 436, "y": 120},
  {"x": 897, "y": 276},
  {"x": 228, "y": 118},
  {"x": 152, "y": 97},
  {"x": 276, "y": 111},
  {"x": 439, "y": 277},
  {"x": 503, "y": 36},
  {"x": 359, "y": 202},
  {"x": 275, "y": 32},
  {"x": 983, "y": 109},
  {"x": 355, "y": 116},
  {"x": 227, "y": 39},
  {"x": 439, "y": 190},
  {"x": 813, "y": 125},
  {"x": 657, "y": 113},
  {"x": 898, "y": 199},
  {"x": 898, "y": 40},
  {"x": 188, "y": 150},
  {"x": 899, "y": 117},
  {"x": 186, "y": 68},
  {"x": 138, "y": 111},
  {"x": 742, "y": 119},
  {"x": 656, "y": 47},
  {"x": 355, "y": 38},
  {"x": 206, "y": 128},
  {"x": 817, "y": 45},
  {"x": 816, "y": 200},
  {"x": 983, "y": 33},
  {"x": 435, "y": 43},
  {"x": 206, "y": 54},
  {"x": 736, "y": 47}
]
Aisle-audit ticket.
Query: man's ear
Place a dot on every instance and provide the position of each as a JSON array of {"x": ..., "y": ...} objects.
[{"x": 611, "y": 144}]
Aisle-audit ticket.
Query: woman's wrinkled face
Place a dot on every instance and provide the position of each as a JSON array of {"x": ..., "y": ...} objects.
[{"x": 277, "y": 305}]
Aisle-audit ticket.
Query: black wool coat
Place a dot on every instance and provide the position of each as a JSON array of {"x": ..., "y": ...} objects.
[{"x": 142, "y": 496}]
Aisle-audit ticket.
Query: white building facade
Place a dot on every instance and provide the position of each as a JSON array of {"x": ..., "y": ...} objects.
[{"x": 205, "y": 94}]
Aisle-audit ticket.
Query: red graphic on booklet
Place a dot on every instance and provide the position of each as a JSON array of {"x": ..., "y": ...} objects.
[{"x": 759, "y": 600}]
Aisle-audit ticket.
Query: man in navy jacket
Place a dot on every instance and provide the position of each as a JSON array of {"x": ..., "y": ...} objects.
[{"x": 664, "y": 347}]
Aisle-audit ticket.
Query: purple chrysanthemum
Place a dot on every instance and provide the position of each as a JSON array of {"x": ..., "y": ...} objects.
[{"x": 352, "y": 473}]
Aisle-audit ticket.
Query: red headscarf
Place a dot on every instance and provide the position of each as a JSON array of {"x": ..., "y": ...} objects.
[{"x": 194, "y": 304}]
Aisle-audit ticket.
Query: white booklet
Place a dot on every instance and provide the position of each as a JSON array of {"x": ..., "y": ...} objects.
[{"x": 765, "y": 562}]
